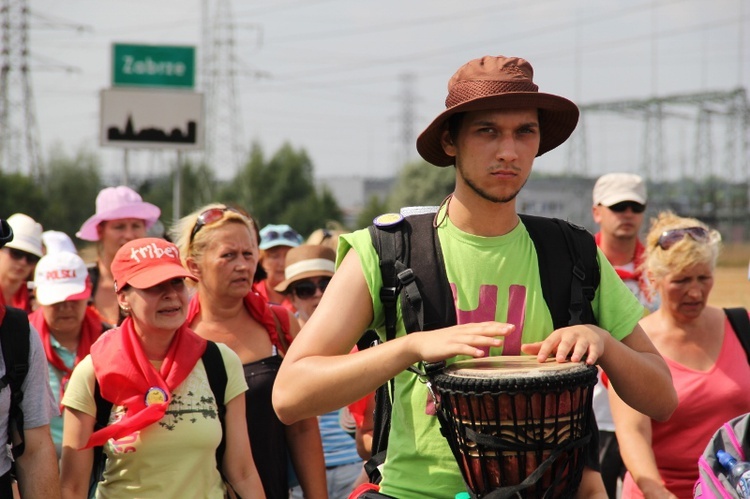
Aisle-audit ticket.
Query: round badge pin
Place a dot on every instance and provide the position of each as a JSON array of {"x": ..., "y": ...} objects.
[
  {"x": 155, "y": 395},
  {"x": 387, "y": 219}
]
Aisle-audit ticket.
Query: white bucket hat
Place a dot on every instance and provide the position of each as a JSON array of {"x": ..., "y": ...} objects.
[{"x": 27, "y": 234}]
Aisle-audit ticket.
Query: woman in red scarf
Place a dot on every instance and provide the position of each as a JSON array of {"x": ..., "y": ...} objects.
[
  {"x": 67, "y": 326},
  {"x": 163, "y": 432},
  {"x": 220, "y": 247}
]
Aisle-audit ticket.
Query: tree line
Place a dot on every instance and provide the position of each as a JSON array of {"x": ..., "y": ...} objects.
[{"x": 277, "y": 189}]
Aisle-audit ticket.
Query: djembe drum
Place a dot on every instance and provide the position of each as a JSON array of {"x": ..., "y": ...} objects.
[{"x": 517, "y": 427}]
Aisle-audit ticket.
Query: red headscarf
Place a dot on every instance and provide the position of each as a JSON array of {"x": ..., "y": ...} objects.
[
  {"x": 126, "y": 376},
  {"x": 262, "y": 312},
  {"x": 91, "y": 329}
]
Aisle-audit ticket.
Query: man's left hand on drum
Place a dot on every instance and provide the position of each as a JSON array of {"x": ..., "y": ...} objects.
[{"x": 573, "y": 343}]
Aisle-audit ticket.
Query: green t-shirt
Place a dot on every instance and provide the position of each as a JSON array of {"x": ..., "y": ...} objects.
[
  {"x": 493, "y": 278},
  {"x": 174, "y": 457}
]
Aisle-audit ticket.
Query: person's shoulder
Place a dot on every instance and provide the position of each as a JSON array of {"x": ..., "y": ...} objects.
[{"x": 227, "y": 354}]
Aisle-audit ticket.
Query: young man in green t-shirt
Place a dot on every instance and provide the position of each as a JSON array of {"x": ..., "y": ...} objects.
[{"x": 495, "y": 124}]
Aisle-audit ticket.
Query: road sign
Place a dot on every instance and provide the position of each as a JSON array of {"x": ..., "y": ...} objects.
[
  {"x": 153, "y": 65},
  {"x": 158, "y": 119}
]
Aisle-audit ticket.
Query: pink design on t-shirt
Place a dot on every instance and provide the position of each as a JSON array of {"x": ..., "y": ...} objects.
[
  {"x": 487, "y": 309},
  {"x": 516, "y": 314}
]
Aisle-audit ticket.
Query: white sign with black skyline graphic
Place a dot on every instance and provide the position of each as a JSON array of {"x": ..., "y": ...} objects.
[{"x": 155, "y": 119}]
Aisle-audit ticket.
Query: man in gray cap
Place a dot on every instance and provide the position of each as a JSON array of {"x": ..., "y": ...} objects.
[
  {"x": 618, "y": 208},
  {"x": 494, "y": 125}
]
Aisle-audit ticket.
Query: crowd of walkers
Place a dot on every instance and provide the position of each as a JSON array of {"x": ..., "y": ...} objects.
[{"x": 220, "y": 358}]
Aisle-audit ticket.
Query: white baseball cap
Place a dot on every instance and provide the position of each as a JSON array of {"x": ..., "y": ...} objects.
[
  {"x": 27, "y": 234},
  {"x": 61, "y": 276},
  {"x": 614, "y": 188}
]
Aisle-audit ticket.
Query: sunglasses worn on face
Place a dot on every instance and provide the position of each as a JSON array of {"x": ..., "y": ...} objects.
[
  {"x": 634, "y": 207},
  {"x": 306, "y": 289},
  {"x": 669, "y": 238},
  {"x": 208, "y": 217},
  {"x": 15, "y": 254},
  {"x": 288, "y": 235}
]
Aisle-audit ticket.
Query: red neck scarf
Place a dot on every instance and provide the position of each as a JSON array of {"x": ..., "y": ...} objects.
[
  {"x": 261, "y": 287},
  {"x": 637, "y": 273},
  {"x": 126, "y": 375},
  {"x": 20, "y": 300},
  {"x": 262, "y": 312},
  {"x": 91, "y": 329}
]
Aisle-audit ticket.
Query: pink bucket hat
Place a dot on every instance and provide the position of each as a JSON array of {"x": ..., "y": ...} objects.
[{"x": 115, "y": 203}]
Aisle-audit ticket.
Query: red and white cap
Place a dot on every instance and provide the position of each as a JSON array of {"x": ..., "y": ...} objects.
[
  {"x": 146, "y": 262},
  {"x": 60, "y": 277}
]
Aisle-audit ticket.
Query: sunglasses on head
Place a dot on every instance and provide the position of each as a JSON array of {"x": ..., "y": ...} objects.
[
  {"x": 669, "y": 238},
  {"x": 15, "y": 254},
  {"x": 208, "y": 217},
  {"x": 624, "y": 205},
  {"x": 288, "y": 235},
  {"x": 306, "y": 289}
]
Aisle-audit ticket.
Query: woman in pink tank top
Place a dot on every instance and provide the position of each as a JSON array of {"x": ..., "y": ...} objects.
[{"x": 709, "y": 367}]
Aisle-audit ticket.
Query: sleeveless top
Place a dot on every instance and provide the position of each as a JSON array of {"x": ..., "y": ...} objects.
[{"x": 267, "y": 435}]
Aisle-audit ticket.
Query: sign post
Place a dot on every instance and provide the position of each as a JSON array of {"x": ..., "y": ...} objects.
[
  {"x": 136, "y": 115},
  {"x": 153, "y": 66}
]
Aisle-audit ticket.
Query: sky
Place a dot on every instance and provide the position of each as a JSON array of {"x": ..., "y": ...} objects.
[{"x": 330, "y": 76}]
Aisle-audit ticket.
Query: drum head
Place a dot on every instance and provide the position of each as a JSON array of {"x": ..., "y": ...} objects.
[{"x": 516, "y": 366}]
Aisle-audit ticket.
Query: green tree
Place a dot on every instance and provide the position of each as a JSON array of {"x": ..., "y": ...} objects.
[
  {"x": 421, "y": 184},
  {"x": 70, "y": 187},
  {"x": 20, "y": 194},
  {"x": 375, "y": 206},
  {"x": 282, "y": 190},
  {"x": 198, "y": 188}
]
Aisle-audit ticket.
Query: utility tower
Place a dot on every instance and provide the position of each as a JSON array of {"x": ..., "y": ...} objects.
[
  {"x": 224, "y": 132},
  {"x": 407, "y": 116},
  {"x": 19, "y": 132}
]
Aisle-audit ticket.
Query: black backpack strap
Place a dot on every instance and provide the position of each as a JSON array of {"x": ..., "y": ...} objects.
[
  {"x": 14, "y": 337},
  {"x": 388, "y": 245},
  {"x": 568, "y": 268},
  {"x": 435, "y": 307},
  {"x": 217, "y": 380},
  {"x": 740, "y": 322},
  {"x": 103, "y": 411}
]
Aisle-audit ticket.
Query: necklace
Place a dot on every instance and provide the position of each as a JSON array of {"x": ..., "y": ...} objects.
[{"x": 447, "y": 203}]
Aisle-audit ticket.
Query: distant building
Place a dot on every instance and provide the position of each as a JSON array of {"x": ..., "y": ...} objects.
[
  {"x": 568, "y": 198},
  {"x": 352, "y": 193}
]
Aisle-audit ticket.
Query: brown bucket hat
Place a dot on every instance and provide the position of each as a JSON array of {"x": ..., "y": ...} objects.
[{"x": 499, "y": 83}]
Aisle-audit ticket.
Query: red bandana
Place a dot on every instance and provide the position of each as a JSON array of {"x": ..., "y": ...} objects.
[
  {"x": 20, "y": 300},
  {"x": 91, "y": 329},
  {"x": 126, "y": 376},
  {"x": 637, "y": 273},
  {"x": 261, "y": 311}
]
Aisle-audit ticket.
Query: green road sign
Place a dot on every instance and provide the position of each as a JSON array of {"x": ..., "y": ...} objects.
[{"x": 153, "y": 65}]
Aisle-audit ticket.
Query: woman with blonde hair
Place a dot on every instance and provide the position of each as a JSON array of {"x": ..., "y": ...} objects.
[
  {"x": 220, "y": 247},
  {"x": 709, "y": 367}
]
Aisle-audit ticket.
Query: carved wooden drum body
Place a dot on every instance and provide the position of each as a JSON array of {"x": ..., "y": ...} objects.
[{"x": 517, "y": 427}]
